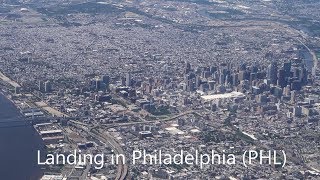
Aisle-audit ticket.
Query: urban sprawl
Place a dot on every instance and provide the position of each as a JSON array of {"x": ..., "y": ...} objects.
[{"x": 113, "y": 77}]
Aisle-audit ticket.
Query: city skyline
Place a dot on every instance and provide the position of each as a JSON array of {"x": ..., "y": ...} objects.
[{"x": 168, "y": 78}]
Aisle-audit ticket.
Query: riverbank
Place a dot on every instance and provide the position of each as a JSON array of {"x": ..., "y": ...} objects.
[
  {"x": 42, "y": 105},
  {"x": 18, "y": 145}
]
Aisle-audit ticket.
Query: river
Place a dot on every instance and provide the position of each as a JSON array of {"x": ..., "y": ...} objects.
[{"x": 18, "y": 145}]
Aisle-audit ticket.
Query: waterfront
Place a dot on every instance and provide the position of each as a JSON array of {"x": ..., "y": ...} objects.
[{"x": 19, "y": 145}]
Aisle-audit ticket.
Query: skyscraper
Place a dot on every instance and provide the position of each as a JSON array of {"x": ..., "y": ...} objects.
[
  {"x": 287, "y": 69},
  {"x": 303, "y": 75},
  {"x": 106, "y": 79},
  {"x": 41, "y": 86},
  {"x": 235, "y": 80},
  {"x": 128, "y": 79},
  {"x": 272, "y": 73},
  {"x": 47, "y": 87},
  {"x": 198, "y": 81},
  {"x": 98, "y": 83},
  {"x": 187, "y": 68},
  {"x": 281, "y": 78}
]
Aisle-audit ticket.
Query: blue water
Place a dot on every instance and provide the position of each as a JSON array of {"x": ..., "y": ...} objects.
[{"x": 18, "y": 146}]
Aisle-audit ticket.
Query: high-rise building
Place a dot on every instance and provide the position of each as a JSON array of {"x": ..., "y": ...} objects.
[
  {"x": 254, "y": 69},
  {"x": 106, "y": 79},
  {"x": 187, "y": 68},
  {"x": 190, "y": 86},
  {"x": 296, "y": 85},
  {"x": 297, "y": 111},
  {"x": 211, "y": 85},
  {"x": 243, "y": 67},
  {"x": 198, "y": 81},
  {"x": 303, "y": 76},
  {"x": 213, "y": 69},
  {"x": 222, "y": 79},
  {"x": 287, "y": 90},
  {"x": 235, "y": 79},
  {"x": 253, "y": 76},
  {"x": 296, "y": 72},
  {"x": 243, "y": 75},
  {"x": 281, "y": 78},
  {"x": 98, "y": 84},
  {"x": 287, "y": 69},
  {"x": 228, "y": 79},
  {"x": 272, "y": 73},
  {"x": 128, "y": 79},
  {"x": 41, "y": 86},
  {"x": 47, "y": 87},
  {"x": 293, "y": 97}
]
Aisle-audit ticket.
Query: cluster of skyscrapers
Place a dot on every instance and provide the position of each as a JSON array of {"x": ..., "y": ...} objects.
[{"x": 241, "y": 78}]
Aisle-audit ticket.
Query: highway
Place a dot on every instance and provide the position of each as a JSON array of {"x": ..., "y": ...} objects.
[
  {"x": 122, "y": 169},
  {"x": 105, "y": 137}
]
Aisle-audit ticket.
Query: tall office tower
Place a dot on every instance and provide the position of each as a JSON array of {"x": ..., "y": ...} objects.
[
  {"x": 281, "y": 78},
  {"x": 296, "y": 72},
  {"x": 303, "y": 76},
  {"x": 206, "y": 74},
  {"x": 287, "y": 90},
  {"x": 148, "y": 88},
  {"x": 190, "y": 86},
  {"x": 198, "y": 81},
  {"x": 293, "y": 97},
  {"x": 254, "y": 69},
  {"x": 272, "y": 73},
  {"x": 224, "y": 71},
  {"x": 241, "y": 75},
  {"x": 206, "y": 69},
  {"x": 215, "y": 76},
  {"x": 221, "y": 79},
  {"x": 98, "y": 84},
  {"x": 229, "y": 66},
  {"x": 187, "y": 68},
  {"x": 106, "y": 79},
  {"x": 123, "y": 81},
  {"x": 235, "y": 80},
  {"x": 243, "y": 67},
  {"x": 213, "y": 69},
  {"x": 287, "y": 69},
  {"x": 192, "y": 75},
  {"x": 253, "y": 76},
  {"x": 261, "y": 75},
  {"x": 211, "y": 85},
  {"x": 47, "y": 87},
  {"x": 228, "y": 79},
  {"x": 186, "y": 78},
  {"x": 128, "y": 79},
  {"x": 244, "y": 75},
  {"x": 204, "y": 87},
  {"x": 296, "y": 85},
  {"x": 41, "y": 86}
]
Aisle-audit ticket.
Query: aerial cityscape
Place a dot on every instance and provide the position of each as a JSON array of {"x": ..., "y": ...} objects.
[{"x": 112, "y": 77}]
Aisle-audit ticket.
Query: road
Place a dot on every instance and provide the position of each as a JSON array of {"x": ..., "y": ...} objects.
[
  {"x": 8, "y": 80},
  {"x": 150, "y": 121},
  {"x": 106, "y": 138},
  {"x": 122, "y": 169}
]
